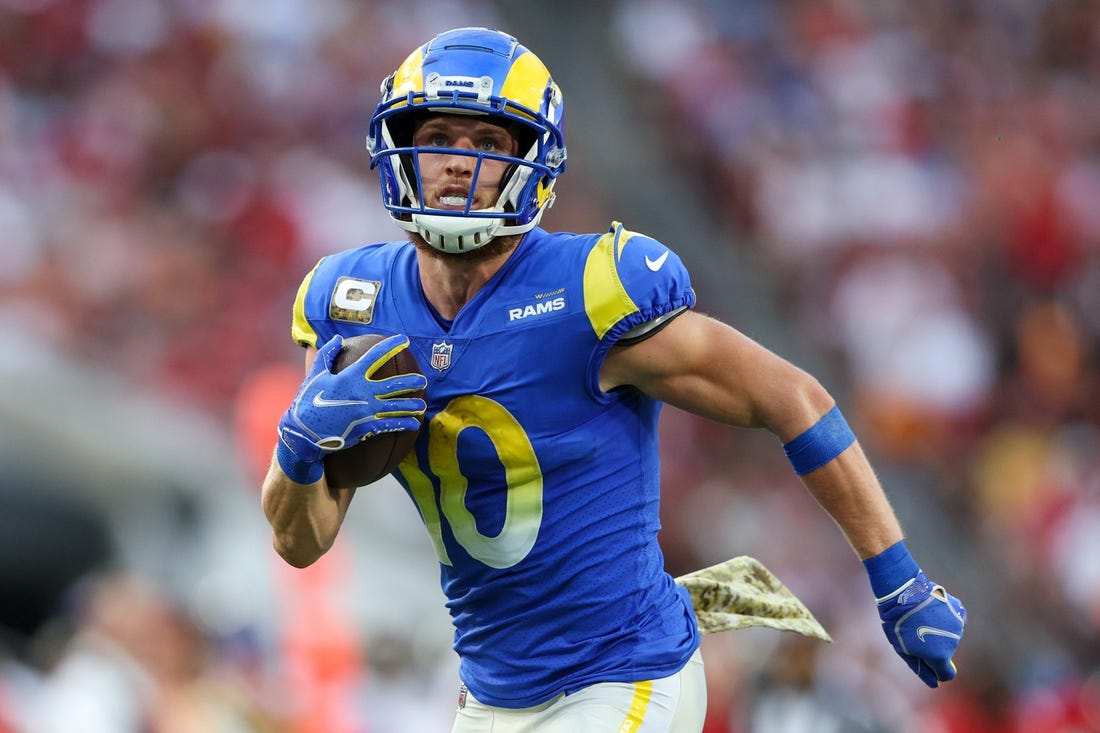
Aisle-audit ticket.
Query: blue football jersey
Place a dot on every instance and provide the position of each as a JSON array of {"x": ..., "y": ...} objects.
[{"x": 540, "y": 491}]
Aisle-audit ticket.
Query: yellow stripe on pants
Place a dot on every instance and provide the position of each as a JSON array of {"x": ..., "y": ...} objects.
[{"x": 636, "y": 715}]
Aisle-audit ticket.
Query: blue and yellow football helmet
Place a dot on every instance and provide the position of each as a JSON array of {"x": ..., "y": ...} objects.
[{"x": 476, "y": 71}]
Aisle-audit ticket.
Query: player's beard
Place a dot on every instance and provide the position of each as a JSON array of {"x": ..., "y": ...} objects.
[{"x": 497, "y": 246}]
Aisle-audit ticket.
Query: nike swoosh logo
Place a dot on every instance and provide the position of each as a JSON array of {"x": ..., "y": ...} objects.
[
  {"x": 923, "y": 631},
  {"x": 320, "y": 401},
  {"x": 657, "y": 263}
]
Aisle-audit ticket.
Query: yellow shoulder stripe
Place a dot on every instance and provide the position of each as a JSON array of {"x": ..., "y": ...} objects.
[
  {"x": 300, "y": 330},
  {"x": 605, "y": 298}
]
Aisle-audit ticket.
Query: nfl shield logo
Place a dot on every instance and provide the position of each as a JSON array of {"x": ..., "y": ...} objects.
[{"x": 441, "y": 355}]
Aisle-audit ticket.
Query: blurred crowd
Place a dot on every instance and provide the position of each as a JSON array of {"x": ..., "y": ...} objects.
[
  {"x": 919, "y": 182},
  {"x": 169, "y": 171},
  {"x": 170, "y": 167},
  {"x": 923, "y": 182}
]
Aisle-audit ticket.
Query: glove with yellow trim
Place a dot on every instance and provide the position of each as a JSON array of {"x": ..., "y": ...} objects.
[{"x": 333, "y": 410}]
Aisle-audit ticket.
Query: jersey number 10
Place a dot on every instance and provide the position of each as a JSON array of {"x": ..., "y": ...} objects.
[{"x": 523, "y": 508}]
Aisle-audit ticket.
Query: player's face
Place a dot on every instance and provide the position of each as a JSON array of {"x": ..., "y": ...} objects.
[{"x": 447, "y": 177}]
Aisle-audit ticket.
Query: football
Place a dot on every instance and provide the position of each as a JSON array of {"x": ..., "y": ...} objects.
[{"x": 375, "y": 456}]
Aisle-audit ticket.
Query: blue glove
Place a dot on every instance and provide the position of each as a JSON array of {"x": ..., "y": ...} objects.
[
  {"x": 922, "y": 621},
  {"x": 336, "y": 410}
]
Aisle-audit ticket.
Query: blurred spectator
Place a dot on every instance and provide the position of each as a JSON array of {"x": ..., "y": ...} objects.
[
  {"x": 102, "y": 679},
  {"x": 793, "y": 698},
  {"x": 133, "y": 663}
]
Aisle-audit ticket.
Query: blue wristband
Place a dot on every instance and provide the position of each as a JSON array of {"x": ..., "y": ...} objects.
[
  {"x": 295, "y": 468},
  {"x": 820, "y": 443},
  {"x": 890, "y": 569}
]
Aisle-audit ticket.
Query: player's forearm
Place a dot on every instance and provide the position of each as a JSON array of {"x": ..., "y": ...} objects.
[
  {"x": 849, "y": 491},
  {"x": 826, "y": 455},
  {"x": 304, "y": 519}
]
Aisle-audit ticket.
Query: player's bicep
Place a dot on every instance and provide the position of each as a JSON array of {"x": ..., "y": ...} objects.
[{"x": 706, "y": 367}]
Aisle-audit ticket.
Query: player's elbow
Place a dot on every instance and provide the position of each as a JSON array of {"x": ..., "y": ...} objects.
[
  {"x": 297, "y": 553},
  {"x": 814, "y": 399},
  {"x": 801, "y": 403}
]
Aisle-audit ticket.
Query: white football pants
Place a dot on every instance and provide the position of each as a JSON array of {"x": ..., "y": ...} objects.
[{"x": 675, "y": 704}]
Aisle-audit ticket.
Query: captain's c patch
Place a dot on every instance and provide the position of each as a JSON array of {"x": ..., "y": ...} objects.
[{"x": 353, "y": 300}]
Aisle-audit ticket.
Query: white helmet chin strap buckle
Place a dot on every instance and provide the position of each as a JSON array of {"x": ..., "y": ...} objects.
[
  {"x": 455, "y": 234},
  {"x": 458, "y": 234}
]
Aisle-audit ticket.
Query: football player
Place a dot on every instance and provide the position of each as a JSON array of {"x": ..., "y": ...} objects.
[{"x": 548, "y": 357}]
